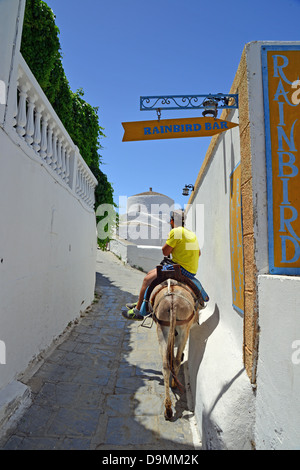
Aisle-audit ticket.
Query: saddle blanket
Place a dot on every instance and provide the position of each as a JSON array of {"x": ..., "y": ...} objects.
[
  {"x": 191, "y": 276},
  {"x": 168, "y": 267}
]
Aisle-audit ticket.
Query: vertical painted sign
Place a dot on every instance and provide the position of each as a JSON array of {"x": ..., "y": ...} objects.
[
  {"x": 236, "y": 240},
  {"x": 281, "y": 74}
]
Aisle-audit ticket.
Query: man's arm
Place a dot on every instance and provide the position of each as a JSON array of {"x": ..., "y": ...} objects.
[{"x": 167, "y": 249}]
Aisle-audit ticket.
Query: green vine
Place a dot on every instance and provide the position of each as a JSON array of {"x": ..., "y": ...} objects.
[{"x": 41, "y": 50}]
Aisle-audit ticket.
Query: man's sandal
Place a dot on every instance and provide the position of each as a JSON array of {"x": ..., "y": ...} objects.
[
  {"x": 130, "y": 306},
  {"x": 132, "y": 314}
]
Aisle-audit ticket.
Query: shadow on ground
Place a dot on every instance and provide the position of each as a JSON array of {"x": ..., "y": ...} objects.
[{"x": 102, "y": 387}]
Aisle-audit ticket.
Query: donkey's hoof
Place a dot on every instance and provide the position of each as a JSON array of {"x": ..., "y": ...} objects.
[{"x": 168, "y": 414}]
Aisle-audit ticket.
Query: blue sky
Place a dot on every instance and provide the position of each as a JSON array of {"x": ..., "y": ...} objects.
[{"x": 119, "y": 50}]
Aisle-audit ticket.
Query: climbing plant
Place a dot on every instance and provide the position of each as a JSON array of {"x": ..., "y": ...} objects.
[{"x": 41, "y": 49}]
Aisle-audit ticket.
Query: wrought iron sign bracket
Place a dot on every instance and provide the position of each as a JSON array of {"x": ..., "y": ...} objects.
[{"x": 182, "y": 102}]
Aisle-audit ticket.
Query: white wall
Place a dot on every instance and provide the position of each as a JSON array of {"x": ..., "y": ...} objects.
[
  {"x": 47, "y": 253},
  {"x": 228, "y": 412},
  {"x": 48, "y": 227},
  {"x": 138, "y": 256},
  {"x": 278, "y": 377},
  {"x": 221, "y": 389}
]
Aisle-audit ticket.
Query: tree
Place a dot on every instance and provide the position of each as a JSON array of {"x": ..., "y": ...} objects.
[{"x": 41, "y": 50}]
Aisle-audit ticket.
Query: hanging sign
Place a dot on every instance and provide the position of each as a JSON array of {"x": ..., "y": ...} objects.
[
  {"x": 175, "y": 128},
  {"x": 282, "y": 126}
]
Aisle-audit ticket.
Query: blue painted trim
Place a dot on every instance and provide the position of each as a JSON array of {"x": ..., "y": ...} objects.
[
  {"x": 264, "y": 53},
  {"x": 239, "y": 310},
  {"x": 236, "y": 166}
]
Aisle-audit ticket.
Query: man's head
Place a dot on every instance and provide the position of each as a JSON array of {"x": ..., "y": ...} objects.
[{"x": 177, "y": 218}]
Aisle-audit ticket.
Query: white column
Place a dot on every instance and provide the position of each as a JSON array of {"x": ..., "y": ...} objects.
[
  {"x": 63, "y": 159},
  {"x": 21, "y": 117},
  {"x": 44, "y": 142},
  {"x": 30, "y": 119},
  {"x": 68, "y": 155},
  {"x": 73, "y": 168},
  {"x": 50, "y": 143},
  {"x": 59, "y": 148},
  {"x": 37, "y": 128},
  {"x": 54, "y": 154}
]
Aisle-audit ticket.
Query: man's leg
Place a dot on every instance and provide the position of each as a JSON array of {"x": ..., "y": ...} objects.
[
  {"x": 134, "y": 313},
  {"x": 146, "y": 283}
]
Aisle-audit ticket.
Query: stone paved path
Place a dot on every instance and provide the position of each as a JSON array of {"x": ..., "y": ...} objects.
[{"x": 102, "y": 386}]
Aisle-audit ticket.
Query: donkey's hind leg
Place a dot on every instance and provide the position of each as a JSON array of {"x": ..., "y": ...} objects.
[
  {"x": 162, "y": 333},
  {"x": 182, "y": 337}
]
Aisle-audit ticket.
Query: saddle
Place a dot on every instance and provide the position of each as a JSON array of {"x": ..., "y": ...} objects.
[{"x": 176, "y": 275}]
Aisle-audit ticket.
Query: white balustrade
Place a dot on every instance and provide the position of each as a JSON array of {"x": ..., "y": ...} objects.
[
  {"x": 37, "y": 125},
  {"x": 37, "y": 128}
]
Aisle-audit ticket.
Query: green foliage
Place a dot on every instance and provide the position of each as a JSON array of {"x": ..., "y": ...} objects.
[
  {"x": 40, "y": 48},
  {"x": 40, "y": 44},
  {"x": 86, "y": 129},
  {"x": 104, "y": 192}
]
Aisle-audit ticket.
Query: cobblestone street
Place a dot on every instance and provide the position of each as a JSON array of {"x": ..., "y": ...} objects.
[{"x": 102, "y": 385}]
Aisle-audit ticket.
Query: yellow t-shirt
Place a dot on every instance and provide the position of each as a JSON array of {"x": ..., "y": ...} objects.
[{"x": 185, "y": 248}]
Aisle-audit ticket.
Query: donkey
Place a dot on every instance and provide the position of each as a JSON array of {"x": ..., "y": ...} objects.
[{"x": 175, "y": 307}]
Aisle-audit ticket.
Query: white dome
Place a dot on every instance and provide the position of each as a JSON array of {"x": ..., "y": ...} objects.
[{"x": 147, "y": 221}]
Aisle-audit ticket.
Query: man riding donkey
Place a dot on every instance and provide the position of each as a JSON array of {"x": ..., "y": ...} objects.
[{"x": 183, "y": 245}]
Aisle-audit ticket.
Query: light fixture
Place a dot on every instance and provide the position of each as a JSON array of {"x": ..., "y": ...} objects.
[
  {"x": 210, "y": 107},
  {"x": 185, "y": 191}
]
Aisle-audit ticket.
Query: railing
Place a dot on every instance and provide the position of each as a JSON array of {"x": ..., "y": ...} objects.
[{"x": 32, "y": 118}]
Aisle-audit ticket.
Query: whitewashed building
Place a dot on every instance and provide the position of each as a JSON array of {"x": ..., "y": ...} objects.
[
  {"x": 244, "y": 356},
  {"x": 143, "y": 229}
]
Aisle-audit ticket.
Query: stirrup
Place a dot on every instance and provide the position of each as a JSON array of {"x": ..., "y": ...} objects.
[{"x": 145, "y": 318}]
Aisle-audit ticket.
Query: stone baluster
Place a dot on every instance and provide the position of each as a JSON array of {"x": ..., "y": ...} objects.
[
  {"x": 54, "y": 155},
  {"x": 43, "y": 149},
  {"x": 89, "y": 191},
  {"x": 58, "y": 165},
  {"x": 21, "y": 116},
  {"x": 84, "y": 186},
  {"x": 79, "y": 181},
  {"x": 68, "y": 155},
  {"x": 63, "y": 160},
  {"x": 50, "y": 143},
  {"x": 87, "y": 187},
  {"x": 93, "y": 197},
  {"x": 29, "y": 129},
  {"x": 37, "y": 128},
  {"x": 15, "y": 101}
]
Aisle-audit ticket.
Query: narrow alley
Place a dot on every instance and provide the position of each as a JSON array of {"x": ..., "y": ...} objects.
[{"x": 101, "y": 387}]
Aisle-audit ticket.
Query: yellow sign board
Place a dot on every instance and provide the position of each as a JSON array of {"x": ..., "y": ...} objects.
[
  {"x": 281, "y": 72},
  {"x": 236, "y": 241},
  {"x": 174, "y": 128}
]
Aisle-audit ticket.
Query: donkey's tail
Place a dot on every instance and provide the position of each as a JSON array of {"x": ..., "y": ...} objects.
[{"x": 171, "y": 341}]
